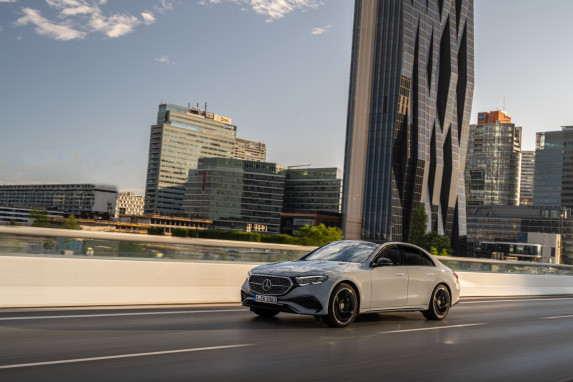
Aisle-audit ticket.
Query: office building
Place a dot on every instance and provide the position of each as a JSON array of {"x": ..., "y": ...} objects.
[
  {"x": 411, "y": 88},
  {"x": 181, "y": 136},
  {"x": 527, "y": 178},
  {"x": 511, "y": 223},
  {"x": 493, "y": 164},
  {"x": 236, "y": 194},
  {"x": 312, "y": 189},
  {"x": 21, "y": 216},
  {"x": 312, "y": 196},
  {"x": 548, "y": 178},
  {"x": 567, "y": 174},
  {"x": 129, "y": 204},
  {"x": 84, "y": 200},
  {"x": 246, "y": 149}
]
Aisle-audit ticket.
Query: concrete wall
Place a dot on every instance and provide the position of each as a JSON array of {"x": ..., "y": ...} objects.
[{"x": 50, "y": 282}]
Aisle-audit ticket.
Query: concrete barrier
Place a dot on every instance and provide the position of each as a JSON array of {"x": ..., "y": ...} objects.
[{"x": 27, "y": 281}]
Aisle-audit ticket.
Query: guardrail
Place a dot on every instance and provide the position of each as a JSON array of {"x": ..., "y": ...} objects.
[{"x": 47, "y": 268}]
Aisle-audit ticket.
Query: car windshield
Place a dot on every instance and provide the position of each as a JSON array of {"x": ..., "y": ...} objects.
[{"x": 345, "y": 251}]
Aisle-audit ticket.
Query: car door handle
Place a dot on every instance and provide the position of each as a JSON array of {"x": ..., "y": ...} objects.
[
  {"x": 429, "y": 274},
  {"x": 400, "y": 274}
]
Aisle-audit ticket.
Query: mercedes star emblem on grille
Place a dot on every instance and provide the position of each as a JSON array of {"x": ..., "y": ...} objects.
[{"x": 267, "y": 285}]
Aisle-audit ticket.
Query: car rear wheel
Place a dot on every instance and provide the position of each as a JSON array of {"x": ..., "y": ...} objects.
[
  {"x": 265, "y": 312},
  {"x": 343, "y": 306},
  {"x": 439, "y": 304}
]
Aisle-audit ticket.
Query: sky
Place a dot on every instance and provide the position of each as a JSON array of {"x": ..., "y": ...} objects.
[{"x": 81, "y": 80}]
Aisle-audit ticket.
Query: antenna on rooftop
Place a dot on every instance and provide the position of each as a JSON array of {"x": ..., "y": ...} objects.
[
  {"x": 205, "y": 105},
  {"x": 503, "y": 103}
]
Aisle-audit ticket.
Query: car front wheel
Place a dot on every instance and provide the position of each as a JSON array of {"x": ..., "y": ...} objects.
[
  {"x": 343, "y": 306},
  {"x": 439, "y": 304}
]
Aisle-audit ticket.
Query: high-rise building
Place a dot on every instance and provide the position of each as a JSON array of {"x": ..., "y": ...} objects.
[
  {"x": 181, "y": 136},
  {"x": 527, "y": 177},
  {"x": 236, "y": 194},
  {"x": 548, "y": 178},
  {"x": 246, "y": 149},
  {"x": 567, "y": 174},
  {"x": 411, "y": 88},
  {"x": 493, "y": 164},
  {"x": 76, "y": 199}
]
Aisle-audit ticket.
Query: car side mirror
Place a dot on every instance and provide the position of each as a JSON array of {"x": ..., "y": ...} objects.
[{"x": 382, "y": 262}]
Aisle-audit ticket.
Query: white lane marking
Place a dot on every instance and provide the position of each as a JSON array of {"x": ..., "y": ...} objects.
[
  {"x": 121, "y": 356},
  {"x": 516, "y": 300},
  {"x": 434, "y": 328},
  {"x": 554, "y": 317},
  {"x": 122, "y": 314}
]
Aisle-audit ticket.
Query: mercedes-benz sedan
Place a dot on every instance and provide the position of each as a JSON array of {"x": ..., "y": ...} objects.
[{"x": 340, "y": 280}]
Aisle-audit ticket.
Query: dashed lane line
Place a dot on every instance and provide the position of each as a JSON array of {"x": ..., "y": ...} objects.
[
  {"x": 60, "y": 362},
  {"x": 433, "y": 328},
  {"x": 120, "y": 314}
]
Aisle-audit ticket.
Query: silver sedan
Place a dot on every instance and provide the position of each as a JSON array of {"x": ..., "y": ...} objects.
[{"x": 340, "y": 280}]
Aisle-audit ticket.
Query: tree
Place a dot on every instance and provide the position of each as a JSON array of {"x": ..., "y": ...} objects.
[
  {"x": 317, "y": 235},
  {"x": 418, "y": 226},
  {"x": 39, "y": 218},
  {"x": 440, "y": 242},
  {"x": 70, "y": 223}
]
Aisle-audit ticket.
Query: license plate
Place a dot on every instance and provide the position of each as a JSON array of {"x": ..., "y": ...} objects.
[{"x": 266, "y": 299}]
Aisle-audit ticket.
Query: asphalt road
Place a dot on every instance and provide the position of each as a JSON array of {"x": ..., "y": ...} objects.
[{"x": 509, "y": 339}]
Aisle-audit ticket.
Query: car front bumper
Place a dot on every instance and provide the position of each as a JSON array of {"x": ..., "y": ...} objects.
[{"x": 309, "y": 299}]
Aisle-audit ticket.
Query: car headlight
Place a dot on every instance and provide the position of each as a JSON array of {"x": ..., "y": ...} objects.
[{"x": 308, "y": 280}]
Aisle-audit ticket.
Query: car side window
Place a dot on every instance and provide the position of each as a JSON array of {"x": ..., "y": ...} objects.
[
  {"x": 415, "y": 257},
  {"x": 392, "y": 253}
]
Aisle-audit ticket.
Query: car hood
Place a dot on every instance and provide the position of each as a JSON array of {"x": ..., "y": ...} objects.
[{"x": 297, "y": 268}]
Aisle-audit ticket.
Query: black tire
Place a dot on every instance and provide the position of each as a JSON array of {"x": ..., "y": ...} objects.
[
  {"x": 267, "y": 313},
  {"x": 342, "y": 307},
  {"x": 439, "y": 304}
]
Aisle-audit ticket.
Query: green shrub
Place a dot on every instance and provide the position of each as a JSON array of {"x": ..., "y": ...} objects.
[
  {"x": 179, "y": 232},
  {"x": 159, "y": 231}
]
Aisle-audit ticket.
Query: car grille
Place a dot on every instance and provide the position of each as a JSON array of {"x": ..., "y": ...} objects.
[{"x": 270, "y": 285}]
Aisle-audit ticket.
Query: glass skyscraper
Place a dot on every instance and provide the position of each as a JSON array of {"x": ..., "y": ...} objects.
[
  {"x": 411, "y": 88},
  {"x": 494, "y": 161},
  {"x": 548, "y": 169},
  {"x": 181, "y": 136}
]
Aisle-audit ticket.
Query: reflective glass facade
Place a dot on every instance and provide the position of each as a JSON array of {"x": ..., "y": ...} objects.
[
  {"x": 548, "y": 177},
  {"x": 313, "y": 189},
  {"x": 493, "y": 165},
  {"x": 180, "y": 137},
  {"x": 235, "y": 191},
  {"x": 411, "y": 88}
]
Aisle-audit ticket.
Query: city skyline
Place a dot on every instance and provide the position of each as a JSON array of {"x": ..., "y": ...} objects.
[{"x": 78, "y": 99}]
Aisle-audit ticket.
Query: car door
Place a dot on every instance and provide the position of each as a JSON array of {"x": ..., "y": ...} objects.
[
  {"x": 389, "y": 282},
  {"x": 422, "y": 275}
]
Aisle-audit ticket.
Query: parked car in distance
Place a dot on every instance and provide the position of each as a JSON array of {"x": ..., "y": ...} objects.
[{"x": 342, "y": 279}]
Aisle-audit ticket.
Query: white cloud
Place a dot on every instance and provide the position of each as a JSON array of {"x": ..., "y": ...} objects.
[
  {"x": 45, "y": 27},
  {"x": 321, "y": 30},
  {"x": 164, "y": 6},
  {"x": 273, "y": 9},
  {"x": 148, "y": 17},
  {"x": 164, "y": 60},
  {"x": 19, "y": 37},
  {"x": 8, "y": 1},
  {"x": 78, "y": 18},
  {"x": 115, "y": 25}
]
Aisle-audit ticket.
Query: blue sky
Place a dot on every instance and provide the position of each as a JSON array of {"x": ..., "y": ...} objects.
[{"x": 81, "y": 80}]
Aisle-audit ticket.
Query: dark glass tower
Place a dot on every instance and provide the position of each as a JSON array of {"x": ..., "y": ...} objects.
[{"x": 411, "y": 88}]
